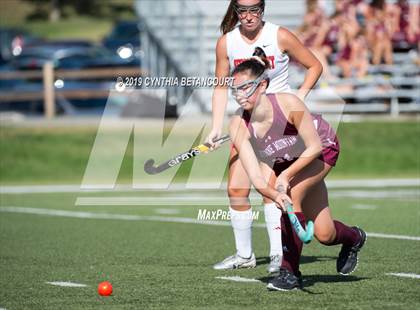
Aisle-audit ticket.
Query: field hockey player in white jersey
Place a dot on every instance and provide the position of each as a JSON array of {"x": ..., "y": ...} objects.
[{"x": 236, "y": 45}]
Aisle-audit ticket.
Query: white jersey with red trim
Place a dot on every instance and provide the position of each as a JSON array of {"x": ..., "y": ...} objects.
[{"x": 238, "y": 51}]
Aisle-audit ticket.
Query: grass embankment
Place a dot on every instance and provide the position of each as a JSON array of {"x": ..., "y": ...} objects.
[
  {"x": 72, "y": 25},
  {"x": 60, "y": 155}
]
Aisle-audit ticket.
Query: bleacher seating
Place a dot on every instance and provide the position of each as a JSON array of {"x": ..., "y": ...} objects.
[{"x": 188, "y": 31}]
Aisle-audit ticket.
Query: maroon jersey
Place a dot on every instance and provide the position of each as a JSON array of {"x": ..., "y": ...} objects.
[
  {"x": 404, "y": 15},
  {"x": 282, "y": 144},
  {"x": 331, "y": 38}
]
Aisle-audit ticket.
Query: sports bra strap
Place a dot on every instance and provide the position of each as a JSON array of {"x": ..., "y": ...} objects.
[{"x": 276, "y": 109}]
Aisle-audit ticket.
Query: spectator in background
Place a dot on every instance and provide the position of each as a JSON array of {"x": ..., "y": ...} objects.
[
  {"x": 379, "y": 28},
  {"x": 352, "y": 50},
  {"x": 354, "y": 59},
  {"x": 407, "y": 24},
  {"x": 313, "y": 31},
  {"x": 359, "y": 29},
  {"x": 329, "y": 40},
  {"x": 349, "y": 9},
  {"x": 312, "y": 22},
  {"x": 341, "y": 34},
  {"x": 338, "y": 39}
]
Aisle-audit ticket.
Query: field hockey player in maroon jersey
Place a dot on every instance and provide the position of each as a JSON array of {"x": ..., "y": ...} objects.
[{"x": 282, "y": 145}]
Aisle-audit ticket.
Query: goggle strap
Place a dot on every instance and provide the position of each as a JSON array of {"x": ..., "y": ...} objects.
[
  {"x": 263, "y": 76},
  {"x": 247, "y": 8}
]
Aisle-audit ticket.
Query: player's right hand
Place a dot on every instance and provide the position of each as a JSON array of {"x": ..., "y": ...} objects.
[
  {"x": 281, "y": 199},
  {"x": 213, "y": 135}
]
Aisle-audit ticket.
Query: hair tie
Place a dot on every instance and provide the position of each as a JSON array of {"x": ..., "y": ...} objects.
[{"x": 257, "y": 58}]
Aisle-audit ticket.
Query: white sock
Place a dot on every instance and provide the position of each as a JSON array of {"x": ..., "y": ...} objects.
[
  {"x": 272, "y": 221},
  {"x": 241, "y": 224}
]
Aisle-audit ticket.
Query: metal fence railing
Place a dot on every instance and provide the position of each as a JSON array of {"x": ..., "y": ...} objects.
[
  {"x": 48, "y": 93},
  {"x": 171, "y": 40}
]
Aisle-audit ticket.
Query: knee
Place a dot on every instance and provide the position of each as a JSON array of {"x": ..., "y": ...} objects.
[
  {"x": 238, "y": 192},
  {"x": 325, "y": 237},
  {"x": 238, "y": 199}
]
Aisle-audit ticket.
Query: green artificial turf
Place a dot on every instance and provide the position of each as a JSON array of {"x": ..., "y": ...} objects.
[{"x": 167, "y": 265}]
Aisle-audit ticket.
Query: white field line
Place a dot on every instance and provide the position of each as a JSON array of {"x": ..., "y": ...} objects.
[
  {"x": 217, "y": 200},
  {"x": 167, "y": 211},
  {"x": 126, "y": 217},
  {"x": 239, "y": 279},
  {"x": 405, "y": 275},
  {"x": 391, "y": 236},
  {"x": 363, "y": 207},
  {"x": 156, "y": 201},
  {"x": 66, "y": 284},
  {"x": 77, "y": 188},
  {"x": 374, "y": 194},
  {"x": 110, "y": 216},
  {"x": 373, "y": 183}
]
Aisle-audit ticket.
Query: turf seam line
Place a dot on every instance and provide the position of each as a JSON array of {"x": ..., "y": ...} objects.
[
  {"x": 239, "y": 279},
  {"x": 66, "y": 284},
  {"x": 405, "y": 275}
]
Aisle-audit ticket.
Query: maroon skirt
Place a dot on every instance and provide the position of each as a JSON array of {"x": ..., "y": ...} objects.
[{"x": 329, "y": 156}]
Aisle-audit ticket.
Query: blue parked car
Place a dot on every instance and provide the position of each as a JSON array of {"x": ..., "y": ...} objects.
[
  {"x": 124, "y": 39},
  {"x": 78, "y": 57},
  {"x": 13, "y": 41}
]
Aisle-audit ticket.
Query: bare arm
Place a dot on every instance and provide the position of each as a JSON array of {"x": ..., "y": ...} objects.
[
  {"x": 289, "y": 43},
  {"x": 300, "y": 116},
  {"x": 414, "y": 19},
  {"x": 220, "y": 96},
  {"x": 240, "y": 138},
  {"x": 322, "y": 33}
]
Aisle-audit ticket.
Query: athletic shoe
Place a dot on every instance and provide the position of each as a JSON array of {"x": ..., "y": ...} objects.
[
  {"x": 347, "y": 259},
  {"x": 275, "y": 262},
  {"x": 235, "y": 262},
  {"x": 285, "y": 281}
]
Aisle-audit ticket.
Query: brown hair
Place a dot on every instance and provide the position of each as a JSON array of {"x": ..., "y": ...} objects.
[
  {"x": 231, "y": 18},
  {"x": 378, "y": 4},
  {"x": 311, "y": 5},
  {"x": 255, "y": 67}
]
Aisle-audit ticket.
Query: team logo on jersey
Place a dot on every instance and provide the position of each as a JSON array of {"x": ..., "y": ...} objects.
[
  {"x": 237, "y": 62},
  {"x": 287, "y": 157},
  {"x": 331, "y": 142},
  {"x": 268, "y": 139}
]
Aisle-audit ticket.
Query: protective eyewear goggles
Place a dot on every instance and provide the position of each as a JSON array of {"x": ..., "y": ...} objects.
[
  {"x": 243, "y": 10},
  {"x": 247, "y": 88}
]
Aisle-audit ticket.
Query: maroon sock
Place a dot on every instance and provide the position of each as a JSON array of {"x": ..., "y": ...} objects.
[
  {"x": 292, "y": 245},
  {"x": 345, "y": 235}
]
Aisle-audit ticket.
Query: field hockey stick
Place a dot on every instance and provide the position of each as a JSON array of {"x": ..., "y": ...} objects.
[
  {"x": 150, "y": 168},
  {"x": 304, "y": 235}
]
